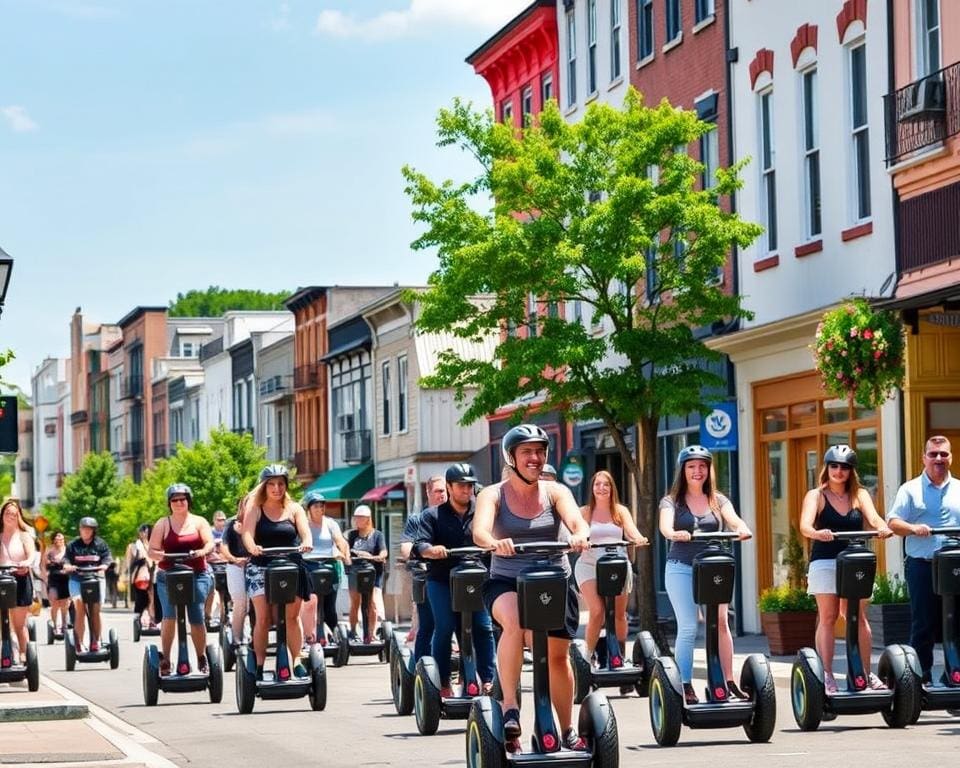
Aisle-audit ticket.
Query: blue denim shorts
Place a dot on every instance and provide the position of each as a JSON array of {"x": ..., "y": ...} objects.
[
  {"x": 202, "y": 584},
  {"x": 75, "y": 587}
]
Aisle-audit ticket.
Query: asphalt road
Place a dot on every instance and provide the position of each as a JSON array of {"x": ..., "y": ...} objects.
[{"x": 360, "y": 727}]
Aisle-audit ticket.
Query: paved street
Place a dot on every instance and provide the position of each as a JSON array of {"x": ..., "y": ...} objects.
[{"x": 360, "y": 727}]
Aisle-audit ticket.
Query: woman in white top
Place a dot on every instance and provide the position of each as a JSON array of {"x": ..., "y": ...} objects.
[
  {"x": 17, "y": 550},
  {"x": 609, "y": 521},
  {"x": 327, "y": 540}
]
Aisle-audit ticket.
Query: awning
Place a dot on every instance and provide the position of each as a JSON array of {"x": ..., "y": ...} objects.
[
  {"x": 344, "y": 483},
  {"x": 384, "y": 492}
]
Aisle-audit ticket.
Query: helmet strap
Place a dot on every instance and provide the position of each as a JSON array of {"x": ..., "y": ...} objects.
[{"x": 517, "y": 473}]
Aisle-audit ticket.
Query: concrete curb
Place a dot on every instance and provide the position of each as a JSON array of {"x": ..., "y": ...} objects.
[{"x": 43, "y": 710}]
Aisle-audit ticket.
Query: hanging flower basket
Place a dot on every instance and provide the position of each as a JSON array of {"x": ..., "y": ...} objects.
[{"x": 859, "y": 353}]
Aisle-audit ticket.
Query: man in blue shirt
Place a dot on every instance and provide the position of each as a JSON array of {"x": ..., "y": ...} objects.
[{"x": 931, "y": 500}]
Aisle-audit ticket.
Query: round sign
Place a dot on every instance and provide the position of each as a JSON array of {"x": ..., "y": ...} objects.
[
  {"x": 40, "y": 523},
  {"x": 572, "y": 474},
  {"x": 718, "y": 424}
]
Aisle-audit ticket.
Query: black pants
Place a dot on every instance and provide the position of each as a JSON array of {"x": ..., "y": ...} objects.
[{"x": 925, "y": 611}]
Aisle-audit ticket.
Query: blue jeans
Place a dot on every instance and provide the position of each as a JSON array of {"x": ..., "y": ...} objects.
[
  {"x": 445, "y": 623},
  {"x": 421, "y": 646},
  {"x": 678, "y": 578},
  {"x": 202, "y": 584},
  {"x": 925, "y": 611}
]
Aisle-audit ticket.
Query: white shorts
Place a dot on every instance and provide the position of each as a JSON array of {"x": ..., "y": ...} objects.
[
  {"x": 585, "y": 570},
  {"x": 822, "y": 577}
]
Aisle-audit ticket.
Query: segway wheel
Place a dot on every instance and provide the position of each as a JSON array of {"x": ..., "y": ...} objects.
[
  {"x": 33, "y": 667},
  {"x": 151, "y": 678},
  {"x": 386, "y": 635},
  {"x": 906, "y": 687},
  {"x": 136, "y": 629},
  {"x": 342, "y": 657},
  {"x": 426, "y": 700},
  {"x": 114, "y": 649},
  {"x": 806, "y": 696},
  {"x": 32, "y": 630},
  {"x": 756, "y": 680},
  {"x": 50, "y": 637},
  {"x": 246, "y": 686},
  {"x": 318, "y": 680},
  {"x": 401, "y": 681},
  {"x": 215, "y": 679},
  {"x": 69, "y": 650},
  {"x": 227, "y": 652},
  {"x": 582, "y": 676},
  {"x": 598, "y": 724},
  {"x": 666, "y": 708},
  {"x": 484, "y": 750},
  {"x": 645, "y": 651}
]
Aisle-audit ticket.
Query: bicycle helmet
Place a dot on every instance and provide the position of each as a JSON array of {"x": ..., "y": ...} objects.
[
  {"x": 840, "y": 454},
  {"x": 522, "y": 433},
  {"x": 460, "y": 473},
  {"x": 88, "y": 522},
  {"x": 312, "y": 497},
  {"x": 181, "y": 489},
  {"x": 275, "y": 470},
  {"x": 692, "y": 452},
  {"x": 548, "y": 469}
]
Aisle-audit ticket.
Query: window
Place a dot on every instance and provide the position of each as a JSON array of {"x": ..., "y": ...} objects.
[
  {"x": 811, "y": 154},
  {"x": 526, "y": 104},
  {"x": 928, "y": 30},
  {"x": 591, "y": 46},
  {"x": 385, "y": 395},
  {"x": 195, "y": 421},
  {"x": 614, "y": 40},
  {"x": 250, "y": 395},
  {"x": 768, "y": 179},
  {"x": 189, "y": 348},
  {"x": 672, "y": 15},
  {"x": 652, "y": 284},
  {"x": 546, "y": 88},
  {"x": 710, "y": 142},
  {"x": 402, "y": 393},
  {"x": 268, "y": 433},
  {"x": 859, "y": 131},
  {"x": 531, "y": 315},
  {"x": 571, "y": 58},
  {"x": 704, "y": 9},
  {"x": 281, "y": 446},
  {"x": 578, "y": 311},
  {"x": 644, "y": 29},
  {"x": 506, "y": 111}
]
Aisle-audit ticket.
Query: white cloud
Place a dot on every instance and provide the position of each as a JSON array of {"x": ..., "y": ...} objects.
[
  {"x": 17, "y": 119},
  {"x": 419, "y": 16}
]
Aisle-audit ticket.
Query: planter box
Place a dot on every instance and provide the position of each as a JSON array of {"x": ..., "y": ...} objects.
[
  {"x": 890, "y": 623},
  {"x": 789, "y": 631}
]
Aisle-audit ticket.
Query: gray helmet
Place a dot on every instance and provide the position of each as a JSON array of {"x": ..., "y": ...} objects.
[
  {"x": 840, "y": 454},
  {"x": 522, "y": 433},
  {"x": 460, "y": 473},
  {"x": 692, "y": 452},
  {"x": 548, "y": 469},
  {"x": 88, "y": 522},
  {"x": 181, "y": 489},
  {"x": 275, "y": 470},
  {"x": 312, "y": 497}
]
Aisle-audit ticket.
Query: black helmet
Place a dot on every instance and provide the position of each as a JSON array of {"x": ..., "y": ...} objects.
[
  {"x": 840, "y": 454},
  {"x": 461, "y": 473},
  {"x": 275, "y": 470},
  {"x": 181, "y": 489},
  {"x": 522, "y": 433},
  {"x": 88, "y": 522},
  {"x": 692, "y": 452}
]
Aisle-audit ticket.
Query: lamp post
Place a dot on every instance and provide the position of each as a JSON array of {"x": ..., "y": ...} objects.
[{"x": 6, "y": 267}]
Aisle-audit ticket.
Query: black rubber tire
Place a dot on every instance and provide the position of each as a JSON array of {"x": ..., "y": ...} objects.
[
  {"x": 114, "y": 649},
  {"x": 215, "y": 680},
  {"x": 906, "y": 697},
  {"x": 582, "y": 677},
  {"x": 606, "y": 746},
  {"x": 426, "y": 702},
  {"x": 645, "y": 650},
  {"x": 761, "y": 726},
  {"x": 70, "y": 651},
  {"x": 151, "y": 681},
  {"x": 666, "y": 708},
  {"x": 318, "y": 679},
  {"x": 806, "y": 696},
  {"x": 342, "y": 656},
  {"x": 482, "y": 748},
  {"x": 33, "y": 667},
  {"x": 50, "y": 637},
  {"x": 401, "y": 685},
  {"x": 136, "y": 629},
  {"x": 32, "y": 630},
  {"x": 246, "y": 684},
  {"x": 227, "y": 652},
  {"x": 386, "y": 637}
]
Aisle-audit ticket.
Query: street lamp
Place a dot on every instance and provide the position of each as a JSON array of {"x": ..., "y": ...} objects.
[{"x": 6, "y": 267}]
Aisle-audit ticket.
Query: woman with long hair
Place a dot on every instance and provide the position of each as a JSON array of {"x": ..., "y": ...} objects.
[
  {"x": 695, "y": 504},
  {"x": 17, "y": 549},
  {"x": 140, "y": 575},
  {"x": 328, "y": 540},
  {"x": 838, "y": 503},
  {"x": 609, "y": 521},
  {"x": 58, "y": 591},
  {"x": 236, "y": 555}
]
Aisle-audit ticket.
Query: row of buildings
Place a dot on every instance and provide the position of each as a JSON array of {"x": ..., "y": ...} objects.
[{"x": 848, "y": 111}]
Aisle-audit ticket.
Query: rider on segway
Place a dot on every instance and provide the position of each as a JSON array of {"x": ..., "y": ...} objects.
[
  {"x": 328, "y": 541},
  {"x": 18, "y": 551},
  {"x": 87, "y": 550},
  {"x": 182, "y": 531},
  {"x": 441, "y": 528}
]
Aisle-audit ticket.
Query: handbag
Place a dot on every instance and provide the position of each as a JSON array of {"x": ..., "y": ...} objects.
[{"x": 141, "y": 578}]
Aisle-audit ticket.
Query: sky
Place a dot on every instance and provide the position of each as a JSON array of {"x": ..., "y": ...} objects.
[{"x": 149, "y": 148}]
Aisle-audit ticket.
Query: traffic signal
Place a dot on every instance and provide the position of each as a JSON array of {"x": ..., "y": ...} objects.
[{"x": 9, "y": 432}]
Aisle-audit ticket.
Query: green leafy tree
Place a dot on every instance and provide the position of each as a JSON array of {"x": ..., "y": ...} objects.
[
  {"x": 579, "y": 215},
  {"x": 93, "y": 490},
  {"x": 214, "y": 301}
]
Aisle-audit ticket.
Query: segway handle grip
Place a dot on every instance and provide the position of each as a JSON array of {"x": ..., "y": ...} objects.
[
  {"x": 610, "y": 544},
  {"x": 946, "y": 531},
  {"x": 854, "y": 535},
  {"x": 467, "y": 551},
  {"x": 724, "y": 535}
]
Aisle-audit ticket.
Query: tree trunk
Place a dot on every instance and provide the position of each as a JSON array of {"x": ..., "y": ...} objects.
[{"x": 645, "y": 481}]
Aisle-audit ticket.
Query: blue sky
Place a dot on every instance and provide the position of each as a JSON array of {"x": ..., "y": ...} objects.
[{"x": 152, "y": 147}]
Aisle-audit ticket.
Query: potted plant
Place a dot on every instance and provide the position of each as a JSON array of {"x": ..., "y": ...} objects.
[
  {"x": 889, "y": 611},
  {"x": 788, "y": 615}
]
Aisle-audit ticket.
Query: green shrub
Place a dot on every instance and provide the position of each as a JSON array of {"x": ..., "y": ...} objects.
[
  {"x": 887, "y": 589},
  {"x": 786, "y": 598}
]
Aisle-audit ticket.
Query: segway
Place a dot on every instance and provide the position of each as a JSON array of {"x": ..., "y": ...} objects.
[
  {"x": 52, "y": 634},
  {"x": 218, "y": 623},
  {"x": 142, "y": 630},
  {"x": 614, "y": 670},
  {"x": 90, "y": 596},
  {"x": 324, "y": 581},
  {"x": 898, "y": 668},
  {"x": 403, "y": 668},
  {"x": 542, "y": 600},
  {"x": 363, "y": 577},
  {"x": 11, "y": 670},
  {"x": 945, "y": 694},
  {"x": 714, "y": 571},
  {"x": 181, "y": 585},
  {"x": 281, "y": 580}
]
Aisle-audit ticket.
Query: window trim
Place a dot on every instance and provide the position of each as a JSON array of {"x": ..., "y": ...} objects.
[
  {"x": 546, "y": 82},
  {"x": 672, "y": 10},
  {"x": 571, "y": 81},
  {"x": 768, "y": 173},
  {"x": 592, "y": 74},
  {"x": 403, "y": 395},
  {"x": 616, "y": 27},
  {"x": 859, "y": 187},
  {"x": 709, "y": 10},
  {"x": 921, "y": 43},
  {"x": 386, "y": 395},
  {"x": 810, "y": 155},
  {"x": 526, "y": 104},
  {"x": 649, "y": 28}
]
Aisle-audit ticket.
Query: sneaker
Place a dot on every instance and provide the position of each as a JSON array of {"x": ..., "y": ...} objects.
[
  {"x": 78, "y": 647},
  {"x": 202, "y": 667},
  {"x": 735, "y": 691},
  {"x": 876, "y": 683},
  {"x": 300, "y": 671},
  {"x": 94, "y": 646},
  {"x": 511, "y": 724},
  {"x": 829, "y": 685},
  {"x": 690, "y": 695},
  {"x": 573, "y": 740},
  {"x": 164, "y": 666}
]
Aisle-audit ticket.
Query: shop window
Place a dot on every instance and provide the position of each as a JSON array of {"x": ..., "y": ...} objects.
[
  {"x": 803, "y": 415},
  {"x": 778, "y": 479},
  {"x": 774, "y": 420},
  {"x": 868, "y": 459},
  {"x": 835, "y": 411}
]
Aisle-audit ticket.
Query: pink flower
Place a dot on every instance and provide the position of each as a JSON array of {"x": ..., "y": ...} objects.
[
  {"x": 829, "y": 345},
  {"x": 853, "y": 332},
  {"x": 867, "y": 333},
  {"x": 877, "y": 355},
  {"x": 839, "y": 375},
  {"x": 843, "y": 352},
  {"x": 858, "y": 370}
]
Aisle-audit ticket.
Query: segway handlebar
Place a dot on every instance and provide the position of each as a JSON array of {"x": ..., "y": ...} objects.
[
  {"x": 720, "y": 535},
  {"x": 854, "y": 535},
  {"x": 542, "y": 548},
  {"x": 946, "y": 531},
  {"x": 178, "y": 557},
  {"x": 81, "y": 569},
  {"x": 467, "y": 551},
  {"x": 309, "y": 557},
  {"x": 279, "y": 551}
]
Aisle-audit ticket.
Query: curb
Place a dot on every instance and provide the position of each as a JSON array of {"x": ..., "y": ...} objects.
[{"x": 43, "y": 710}]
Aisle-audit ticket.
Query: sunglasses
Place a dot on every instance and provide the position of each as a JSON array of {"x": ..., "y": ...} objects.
[
  {"x": 938, "y": 454},
  {"x": 834, "y": 465},
  {"x": 177, "y": 499}
]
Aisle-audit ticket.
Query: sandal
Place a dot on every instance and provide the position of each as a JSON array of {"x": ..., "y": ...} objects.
[
  {"x": 511, "y": 724},
  {"x": 735, "y": 691},
  {"x": 202, "y": 667},
  {"x": 573, "y": 740},
  {"x": 164, "y": 667},
  {"x": 829, "y": 685},
  {"x": 876, "y": 683},
  {"x": 690, "y": 695}
]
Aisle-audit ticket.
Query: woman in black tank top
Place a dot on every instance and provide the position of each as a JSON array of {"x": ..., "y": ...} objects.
[{"x": 837, "y": 504}]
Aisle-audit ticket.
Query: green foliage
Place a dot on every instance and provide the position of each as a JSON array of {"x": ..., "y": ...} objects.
[
  {"x": 786, "y": 598},
  {"x": 92, "y": 490},
  {"x": 214, "y": 301},
  {"x": 859, "y": 352},
  {"x": 887, "y": 589}
]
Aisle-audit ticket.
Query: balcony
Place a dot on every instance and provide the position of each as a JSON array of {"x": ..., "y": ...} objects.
[
  {"x": 311, "y": 462},
  {"x": 211, "y": 349},
  {"x": 355, "y": 446},
  {"x": 131, "y": 387},
  {"x": 922, "y": 114},
  {"x": 132, "y": 449},
  {"x": 929, "y": 228},
  {"x": 306, "y": 376},
  {"x": 78, "y": 417},
  {"x": 160, "y": 451}
]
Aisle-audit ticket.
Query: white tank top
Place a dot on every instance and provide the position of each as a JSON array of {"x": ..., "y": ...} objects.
[{"x": 602, "y": 533}]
